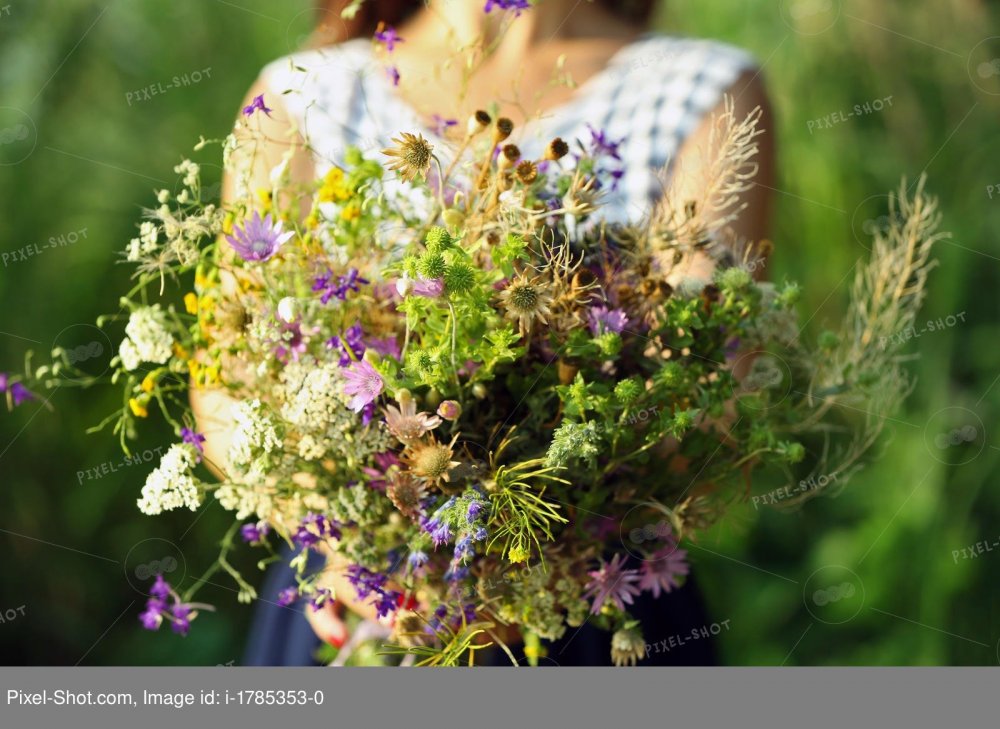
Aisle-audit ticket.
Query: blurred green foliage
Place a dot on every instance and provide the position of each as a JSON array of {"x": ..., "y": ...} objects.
[{"x": 98, "y": 146}]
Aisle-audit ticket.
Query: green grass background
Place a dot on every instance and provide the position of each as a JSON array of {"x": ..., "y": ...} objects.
[{"x": 69, "y": 66}]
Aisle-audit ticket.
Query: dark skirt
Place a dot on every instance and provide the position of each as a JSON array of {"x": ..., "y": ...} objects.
[{"x": 676, "y": 627}]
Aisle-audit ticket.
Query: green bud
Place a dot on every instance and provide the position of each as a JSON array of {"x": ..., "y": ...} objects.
[
  {"x": 459, "y": 278},
  {"x": 627, "y": 391},
  {"x": 735, "y": 279},
  {"x": 437, "y": 239},
  {"x": 431, "y": 265}
]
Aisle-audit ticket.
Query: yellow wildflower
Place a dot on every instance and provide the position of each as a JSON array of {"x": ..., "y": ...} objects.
[
  {"x": 138, "y": 407},
  {"x": 148, "y": 382},
  {"x": 351, "y": 211},
  {"x": 517, "y": 554},
  {"x": 334, "y": 188},
  {"x": 191, "y": 302}
]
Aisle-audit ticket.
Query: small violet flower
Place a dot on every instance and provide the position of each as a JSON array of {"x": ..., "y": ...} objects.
[{"x": 256, "y": 105}]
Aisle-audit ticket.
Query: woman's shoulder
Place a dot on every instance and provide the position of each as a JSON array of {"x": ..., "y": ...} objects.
[
  {"x": 308, "y": 73},
  {"x": 668, "y": 56}
]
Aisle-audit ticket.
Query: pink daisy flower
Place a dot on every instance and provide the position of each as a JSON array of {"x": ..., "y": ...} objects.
[{"x": 364, "y": 382}]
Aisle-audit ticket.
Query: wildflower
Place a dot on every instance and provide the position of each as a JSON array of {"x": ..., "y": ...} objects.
[
  {"x": 345, "y": 284},
  {"x": 255, "y": 433},
  {"x": 449, "y": 410},
  {"x": 256, "y": 105},
  {"x": 516, "y": 5},
  {"x": 517, "y": 554},
  {"x": 628, "y": 645},
  {"x": 196, "y": 439},
  {"x": 171, "y": 485},
  {"x": 286, "y": 310},
  {"x": 406, "y": 493},
  {"x": 287, "y": 597},
  {"x": 319, "y": 598},
  {"x": 602, "y": 145},
  {"x": 442, "y": 125},
  {"x": 351, "y": 345},
  {"x": 364, "y": 382},
  {"x": 386, "y": 602},
  {"x": 476, "y": 510},
  {"x": 412, "y": 155},
  {"x": 385, "y": 464},
  {"x": 254, "y": 533},
  {"x": 417, "y": 559},
  {"x": 431, "y": 461},
  {"x": 430, "y": 288},
  {"x": 364, "y": 580},
  {"x": 662, "y": 568},
  {"x": 612, "y": 582},
  {"x": 526, "y": 300},
  {"x": 313, "y": 529},
  {"x": 191, "y": 302},
  {"x": 164, "y": 604},
  {"x": 148, "y": 338},
  {"x": 406, "y": 424},
  {"x": 138, "y": 407},
  {"x": 334, "y": 188},
  {"x": 259, "y": 238},
  {"x": 18, "y": 393},
  {"x": 388, "y": 37},
  {"x": 393, "y": 74},
  {"x": 604, "y": 320}
]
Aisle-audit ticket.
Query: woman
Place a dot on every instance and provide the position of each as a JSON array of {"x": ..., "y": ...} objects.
[{"x": 648, "y": 99}]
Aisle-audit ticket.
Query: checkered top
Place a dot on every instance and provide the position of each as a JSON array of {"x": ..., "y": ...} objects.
[{"x": 652, "y": 94}]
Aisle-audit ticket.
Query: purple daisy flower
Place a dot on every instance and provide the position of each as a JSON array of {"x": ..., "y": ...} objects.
[
  {"x": 612, "y": 582},
  {"x": 256, "y": 105},
  {"x": 389, "y": 38},
  {"x": 259, "y": 238},
  {"x": 364, "y": 383},
  {"x": 603, "y": 319},
  {"x": 662, "y": 568}
]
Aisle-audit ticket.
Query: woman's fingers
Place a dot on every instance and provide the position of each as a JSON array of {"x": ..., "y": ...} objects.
[{"x": 326, "y": 623}]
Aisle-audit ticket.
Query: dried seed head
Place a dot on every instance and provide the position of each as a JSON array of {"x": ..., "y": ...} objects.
[
  {"x": 527, "y": 171},
  {"x": 557, "y": 149},
  {"x": 477, "y": 123},
  {"x": 502, "y": 129},
  {"x": 412, "y": 155},
  {"x": 509, "y": 156}
]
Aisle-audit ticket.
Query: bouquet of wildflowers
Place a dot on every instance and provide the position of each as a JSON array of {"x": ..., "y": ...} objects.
[{"x": 495, "y": 413}]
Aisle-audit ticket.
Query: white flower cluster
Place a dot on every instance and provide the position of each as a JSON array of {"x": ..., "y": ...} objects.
[
  {"x": 147, "y": 338},
  {"x": 171, "y": 485},
  {"x": 315, "y": 404},
  {"x": 145, "y": 244},
  {"x": 247, "y": 500},
  {"x": 256, "y": 433}
]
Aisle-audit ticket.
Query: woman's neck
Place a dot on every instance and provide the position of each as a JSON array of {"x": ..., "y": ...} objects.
[{"x": 462, "y": 23}]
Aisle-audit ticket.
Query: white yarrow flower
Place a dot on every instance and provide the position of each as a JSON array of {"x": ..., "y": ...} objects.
[
  {"x": 147, "y": 338},
  {"x": 171, "y": 485}
]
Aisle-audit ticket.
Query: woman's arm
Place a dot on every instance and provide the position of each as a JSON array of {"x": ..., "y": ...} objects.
[{"x": 696, "y": 155}]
